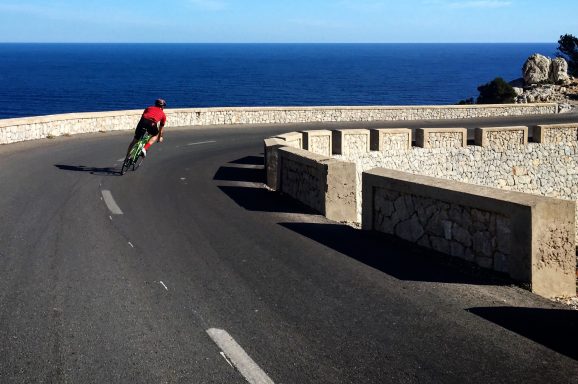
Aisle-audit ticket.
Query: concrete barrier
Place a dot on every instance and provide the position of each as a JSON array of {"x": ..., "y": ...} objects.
[
  {"x": 31, "y": 128},
  {"x": 501, "y": 137},
  {"x": 318, "y": 141},
  {"x": 441, "y": 137},
  {"x": 390, "y": 139},
  {"x": 529, "y": 237},
  {"x": 292, "y": 139},
  {"x": 271, "y": 151},
  {"x": 323, "y": 184},
  {"x": 350, "y": 141},
  {"x": 556, "y": 133}
]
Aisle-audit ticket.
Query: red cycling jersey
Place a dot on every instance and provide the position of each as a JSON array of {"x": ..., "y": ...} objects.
[{"x": 155, "y": 114}]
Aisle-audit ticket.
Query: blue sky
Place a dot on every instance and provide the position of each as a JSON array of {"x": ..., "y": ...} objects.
[{"x": 241, "y": 21}]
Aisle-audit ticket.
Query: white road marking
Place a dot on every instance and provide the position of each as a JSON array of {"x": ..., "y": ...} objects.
[
  {"x": 110, "y": 203},
  {"x": 129, "y": 243},
  {"x": 110, "y": 217},
  {"x": 244, "y": 364},
  {"x": 119, "y": 160},
  {"x": 225, "y": 357},
  {"x": 163, "y": 284},
  {"x": 201, "y": 142}
]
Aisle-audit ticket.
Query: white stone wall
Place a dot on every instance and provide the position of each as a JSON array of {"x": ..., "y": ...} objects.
[
  {"x": 543, "y": 169},
  {"x": 13, "y": 130}
]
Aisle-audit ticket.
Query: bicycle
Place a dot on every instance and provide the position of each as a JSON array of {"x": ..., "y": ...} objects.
[{"x": 134, "y": 158}]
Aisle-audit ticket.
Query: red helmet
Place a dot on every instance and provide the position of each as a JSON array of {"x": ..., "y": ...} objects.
[{"x": 160, "y": 103}]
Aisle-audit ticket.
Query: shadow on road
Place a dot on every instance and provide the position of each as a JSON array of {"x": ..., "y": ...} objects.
[
  {"x": 260, "y": 199},
  {"x": 396, "y": 257},
  {"x": 92, "y": 170},
  {"x": 247, "y": 169},
  {"x": 552, "y": 328},
  {"x": 240, "y": 174},
  {"x": 249, "y": 160}
]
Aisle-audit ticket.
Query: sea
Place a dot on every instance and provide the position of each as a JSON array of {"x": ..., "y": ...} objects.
[{"x": 44, "y": 79}]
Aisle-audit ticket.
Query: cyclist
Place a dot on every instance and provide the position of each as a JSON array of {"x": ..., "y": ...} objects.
[{"x": 152, "y": 121}]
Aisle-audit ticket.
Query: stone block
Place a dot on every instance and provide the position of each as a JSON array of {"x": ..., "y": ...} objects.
[
  {"x": 390, "y": 139},
  {"x": 348, "y": 142},
  {"x": 292, "y": 139},
  {"x": 556, "y": 133},
  {"x": 441, "y": 137},
  {"x": 318, "y": 141},
  {"x": 271, "y": 151},
  {"x": 323, "y": 184},
  {"x": 501, "y": 137}
]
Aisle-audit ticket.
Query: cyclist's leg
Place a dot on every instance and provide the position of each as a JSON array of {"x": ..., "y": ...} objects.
[
  {"x": 138, "y": 134},
  {"x": 154, "y": 132}
]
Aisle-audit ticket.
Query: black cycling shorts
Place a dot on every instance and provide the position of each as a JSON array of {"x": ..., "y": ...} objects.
[{"x": 145, "y": 125}]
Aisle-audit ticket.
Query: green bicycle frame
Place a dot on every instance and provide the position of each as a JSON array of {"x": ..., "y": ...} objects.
[{"x": 138, "y": 146}]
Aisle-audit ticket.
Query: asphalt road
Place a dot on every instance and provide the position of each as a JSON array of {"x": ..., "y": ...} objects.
[{"x": 201, "y": 249}]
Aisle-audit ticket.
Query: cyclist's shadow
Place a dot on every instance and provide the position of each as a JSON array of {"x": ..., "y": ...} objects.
[{"x": 92, "y": 170}]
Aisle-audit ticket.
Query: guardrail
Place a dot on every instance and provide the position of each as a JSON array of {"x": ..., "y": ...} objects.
[
  {"x": 31, "y": 128},
  {"x": 530, "y": 237}
]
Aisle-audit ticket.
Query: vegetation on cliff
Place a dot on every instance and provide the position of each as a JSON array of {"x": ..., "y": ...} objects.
[{"x": 568, "y": 49}]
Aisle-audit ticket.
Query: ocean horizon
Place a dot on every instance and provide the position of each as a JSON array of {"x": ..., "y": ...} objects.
[{"x": 52, "y": 78}]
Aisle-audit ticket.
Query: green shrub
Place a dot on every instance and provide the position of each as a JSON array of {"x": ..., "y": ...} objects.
[
  {"x": 498, "y": 91},
  {"x": 568, "y": 49}
]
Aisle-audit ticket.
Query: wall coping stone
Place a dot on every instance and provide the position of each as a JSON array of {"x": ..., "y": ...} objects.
[
  {"x": 481, "y": 135},
  {"x": 540, "y": 131},
  {"x": 422, "y": 135},
  {"x": 376, "y": 136},
  {"x": 339, "y": 135}
]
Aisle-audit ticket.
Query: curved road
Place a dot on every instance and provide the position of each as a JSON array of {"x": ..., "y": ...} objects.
[{"x": 149, "y": 277}]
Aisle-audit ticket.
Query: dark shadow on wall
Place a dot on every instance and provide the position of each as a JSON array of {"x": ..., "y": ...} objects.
[
  {"x": 556, "y": 329},
  {"x": 396, "y": 257},
  {"x": 92, "y": 170}
]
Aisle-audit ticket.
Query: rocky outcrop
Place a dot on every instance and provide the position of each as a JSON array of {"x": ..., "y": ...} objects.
[
  {"x": 539, "y": 69},
  {"x": 546, "y": 80},
  {"x": 536, "y": 69},
  {"x": 559, "y": 71},
  {"x": 565, "y": 95}
]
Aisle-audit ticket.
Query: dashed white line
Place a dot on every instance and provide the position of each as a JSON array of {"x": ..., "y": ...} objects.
[
  {"x": 163, "y": 284},
  {"x": 110, "y": 203},
  {"x": 201, "y": 142},
  {"x": 129, "y": 243},
  {"x": 243, "y": 362},
  {"x": 119, "y": 160}
]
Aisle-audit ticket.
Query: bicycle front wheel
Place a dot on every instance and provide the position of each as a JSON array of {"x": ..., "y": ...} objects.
[
  {"x": 125, "y": 165},
  {"x": 137, "y": 163}
]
